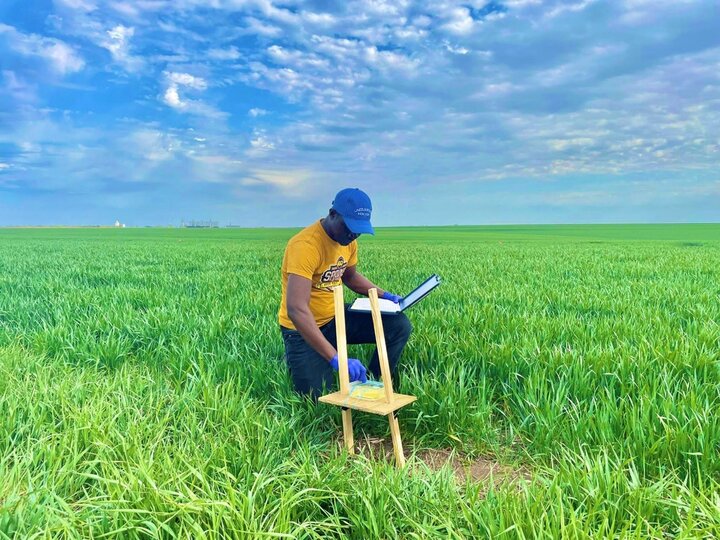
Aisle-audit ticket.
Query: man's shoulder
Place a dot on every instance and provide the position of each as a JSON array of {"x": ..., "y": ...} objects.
[
  {"x": 303, "y": 249},
  {"x": 309, "y": 235}
]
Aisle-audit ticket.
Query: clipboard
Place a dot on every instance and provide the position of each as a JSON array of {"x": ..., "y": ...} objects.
[{"x": 388, "y": 307}]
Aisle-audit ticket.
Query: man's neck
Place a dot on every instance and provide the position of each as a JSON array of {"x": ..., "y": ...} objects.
[{"x": 323, "y": 224}]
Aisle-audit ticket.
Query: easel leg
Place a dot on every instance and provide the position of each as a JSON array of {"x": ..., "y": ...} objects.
[
  {"x": 348, "y": 430},
  {"x": 397, "y": 441}
]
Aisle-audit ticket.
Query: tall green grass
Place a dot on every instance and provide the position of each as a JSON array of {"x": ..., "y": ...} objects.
[{"x": 143, "y": 392}]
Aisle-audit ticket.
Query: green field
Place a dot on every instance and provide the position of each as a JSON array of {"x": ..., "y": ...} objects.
[{"x": 143, "y": 392}]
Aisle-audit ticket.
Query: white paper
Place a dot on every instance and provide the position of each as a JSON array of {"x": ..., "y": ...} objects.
[{"x": 386, "y": 306}]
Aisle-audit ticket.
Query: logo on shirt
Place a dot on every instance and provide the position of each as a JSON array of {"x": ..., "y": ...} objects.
[{"x": 333, "y": 275}]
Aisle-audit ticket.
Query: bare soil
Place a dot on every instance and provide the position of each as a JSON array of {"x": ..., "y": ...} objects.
[{"x": 482, "y": 469}]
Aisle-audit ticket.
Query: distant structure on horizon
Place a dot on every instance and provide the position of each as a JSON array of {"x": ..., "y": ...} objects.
[
  {"x": 199, "y": 224},
  {"x": 119, "y": 225}
]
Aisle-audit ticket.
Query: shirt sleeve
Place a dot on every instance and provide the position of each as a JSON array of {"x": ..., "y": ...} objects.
[
  {"x": 353, "y": 254},
  {"x": 302, "y": 259}
]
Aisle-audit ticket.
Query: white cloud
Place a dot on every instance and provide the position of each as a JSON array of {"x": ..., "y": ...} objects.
[
  {"x": 217, "y": 167},
  {"x": 572, "y": 7},
  {"x": 260, "y": 28},
  {"x": 460, "y": 21},
  {"x": 564, "y": 144},
  {"x": 82, "y": 5},
  {"x": 117, "y": 41},
  {"x": 172, "y": 98},
  {"x": 176, "y": 83},
  {"x": 260, "y": 144},
  {"x": 18, "y": 88},
  {"x": 410, "y": 34},
  {"x": 62, "y": 58},
  {"x": 4, "y": 166},
  {"x": 297, "y": 59},
  {"x": 390, "y": 60},
  {"x": 178, "y": 31},
  {"x": 126, "y": 8},
  {"x": 230, "y": 53},
  {"x": 185, "y": 79},
  {"x": 520, "y": 4},
  {"x": 154, "y": 145},
  {"x": 337, "y": 48},
  {"x": 327, "y": 70},
  {"x": 454, "y": 49},
  {"x": 286, "y": 180},
  {"x": 285, "y": 80},
  {"x": 495, "y": 89},
  {"x": 383, "y": 8},
  {"x": 255, "y": 112},
  {"x": 318, "y": 19}
]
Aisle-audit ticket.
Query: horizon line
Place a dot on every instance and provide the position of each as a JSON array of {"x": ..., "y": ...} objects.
[{"x": 230, "y": 226}]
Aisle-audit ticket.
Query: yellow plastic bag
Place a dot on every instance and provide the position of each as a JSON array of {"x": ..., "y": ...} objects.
[{"x": 370, "y": 390}]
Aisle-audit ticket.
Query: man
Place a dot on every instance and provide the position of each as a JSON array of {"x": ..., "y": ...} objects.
[{"x": 317, "y": 259}]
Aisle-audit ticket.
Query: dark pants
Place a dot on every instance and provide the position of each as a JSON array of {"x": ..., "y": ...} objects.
[{"x": 310, "y": 372}]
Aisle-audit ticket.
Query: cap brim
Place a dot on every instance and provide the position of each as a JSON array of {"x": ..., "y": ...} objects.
[{"x": 359, "y": 226}]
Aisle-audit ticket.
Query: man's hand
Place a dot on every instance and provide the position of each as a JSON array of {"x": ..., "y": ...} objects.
[
  {"x": 390, "y": 296},
  {"x": 356, "y": 370}
]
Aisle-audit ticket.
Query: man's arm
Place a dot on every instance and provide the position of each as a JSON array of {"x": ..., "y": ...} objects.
[
  {"x": 298, "y": 308},
  {"x": 355, "y": 281}
]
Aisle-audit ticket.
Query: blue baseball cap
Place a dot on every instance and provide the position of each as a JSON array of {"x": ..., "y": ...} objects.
[{"x": 355, "y": 208}]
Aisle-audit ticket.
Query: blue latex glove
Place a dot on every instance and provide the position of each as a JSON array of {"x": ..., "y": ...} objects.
[
  {"x": 356, "y": 370},
  {"x": 390, "y": 296}
]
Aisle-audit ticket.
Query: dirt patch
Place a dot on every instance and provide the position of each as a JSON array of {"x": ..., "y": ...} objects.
[{"x": 480, "y": 469}]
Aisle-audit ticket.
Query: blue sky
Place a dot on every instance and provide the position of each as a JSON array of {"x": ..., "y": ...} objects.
[{"x": 255, "y": 112}]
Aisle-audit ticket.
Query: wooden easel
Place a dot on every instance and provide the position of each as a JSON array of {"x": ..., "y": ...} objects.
[{"x": 391, "y": 402}]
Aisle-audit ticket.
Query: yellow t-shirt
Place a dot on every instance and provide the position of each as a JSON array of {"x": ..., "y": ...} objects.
[{"x": 314, "y": 255}]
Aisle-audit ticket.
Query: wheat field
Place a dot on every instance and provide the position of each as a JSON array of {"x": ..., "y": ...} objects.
[{"x": 143, "y": 392}]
